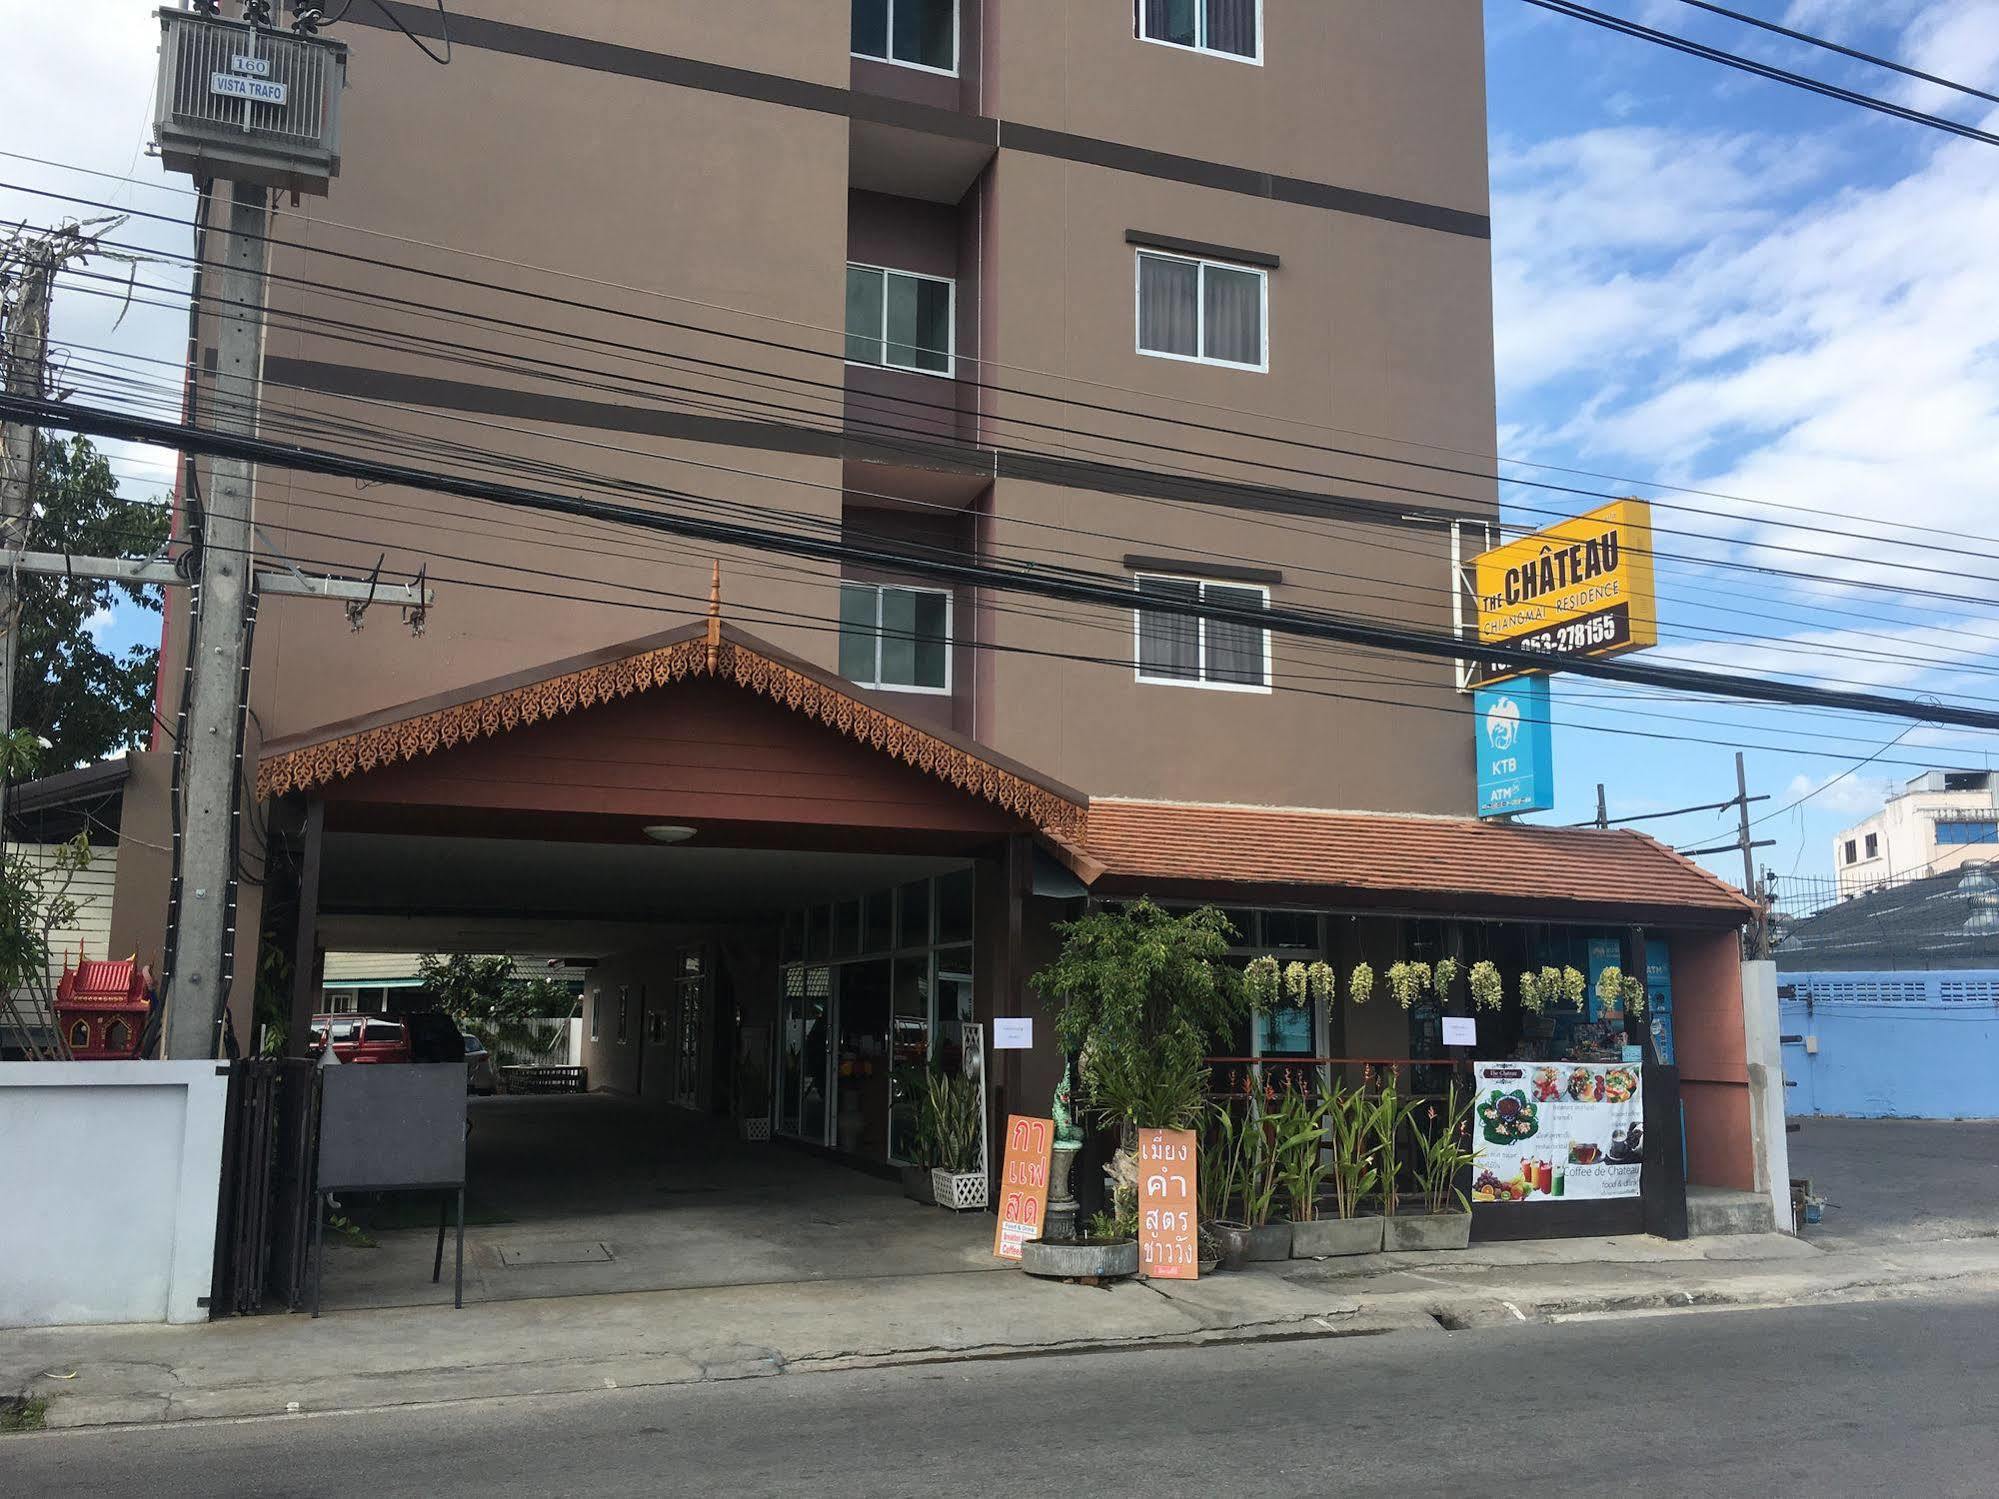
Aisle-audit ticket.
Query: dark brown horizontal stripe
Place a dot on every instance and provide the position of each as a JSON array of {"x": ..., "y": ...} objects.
[
  {"x": 1201, "y": 248},
  {"x": 797, "y": 93},
  {"x": 866, "y": 446},
  {"x": 1201, "y": 567}
]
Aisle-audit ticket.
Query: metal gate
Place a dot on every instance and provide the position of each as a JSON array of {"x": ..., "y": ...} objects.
[{"x": 264, "y": 1215}]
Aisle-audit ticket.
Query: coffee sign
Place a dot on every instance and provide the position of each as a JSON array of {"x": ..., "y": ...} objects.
[{"x": 1023, "y": 1197}]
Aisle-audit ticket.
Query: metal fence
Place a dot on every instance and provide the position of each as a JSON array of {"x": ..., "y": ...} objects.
[{"x": 1948, "y": 920}]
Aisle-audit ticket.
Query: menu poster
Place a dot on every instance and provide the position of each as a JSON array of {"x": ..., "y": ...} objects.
[
  {"x": 1557, "y": 1131},
  {"x": 1168, "y": 1235},
  {"x": 1023, "y": 1196}
]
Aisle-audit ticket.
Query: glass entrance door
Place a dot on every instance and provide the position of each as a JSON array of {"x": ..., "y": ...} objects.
[
  {"x": 805, "y": 1017},
  {"x": 691, "y": 1004}
]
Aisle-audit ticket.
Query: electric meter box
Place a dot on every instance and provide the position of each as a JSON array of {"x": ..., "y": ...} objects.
[{"x": 249, "y": 104}]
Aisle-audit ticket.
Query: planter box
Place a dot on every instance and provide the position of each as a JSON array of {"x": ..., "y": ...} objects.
[
  {"x": 1427, "y": 1231},
  {"x": 916, "y": 1184},
  {"x": 960, "y": 1191},
  {"x": 1325, "y": 1237},
  {"x": 1058, "y": 1261},
  {"x": 1271, "y": 1242}
]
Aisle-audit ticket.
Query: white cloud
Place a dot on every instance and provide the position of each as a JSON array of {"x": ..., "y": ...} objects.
[
  {"x": 1765, "y": 314},
  {"x": 1853, "y": 796}
]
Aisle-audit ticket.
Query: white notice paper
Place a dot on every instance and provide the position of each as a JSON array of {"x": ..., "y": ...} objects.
[
  {"x": 1013, "y": 1033},
  {"x": 1460, "y": 1030}
]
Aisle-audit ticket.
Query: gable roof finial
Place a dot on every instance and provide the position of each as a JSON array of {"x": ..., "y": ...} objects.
[{"x": 715, "y": 615}]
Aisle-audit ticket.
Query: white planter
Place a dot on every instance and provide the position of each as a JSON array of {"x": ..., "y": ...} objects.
[{"x": 960, "y": 1191}]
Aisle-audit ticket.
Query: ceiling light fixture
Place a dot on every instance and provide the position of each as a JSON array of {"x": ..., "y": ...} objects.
[{"x": 669, "y": 832}]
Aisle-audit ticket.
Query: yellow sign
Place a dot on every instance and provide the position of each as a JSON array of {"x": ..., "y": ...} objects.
[{"x": 1583, "y": 587}]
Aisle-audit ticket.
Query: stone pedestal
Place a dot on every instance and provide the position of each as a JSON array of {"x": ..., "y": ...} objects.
[{"x": 1060, "y": 1222}]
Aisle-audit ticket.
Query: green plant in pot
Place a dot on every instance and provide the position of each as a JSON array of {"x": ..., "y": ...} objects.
[
  {"x": 1441, "y": 1152},
  {"x": 953, "y": 1105},
  {"x": 1383, "y": 1120},
  {"x": 1353, "y": 1173},
  {"x": 1267, "y": 1238},
  {"x": 1141, "y": 994},
  {"x": 916, "y": 1125},
  {"x": 1218, "y": 1182}
]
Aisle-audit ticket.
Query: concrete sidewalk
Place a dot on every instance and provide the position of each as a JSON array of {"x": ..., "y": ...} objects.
[{"x": 366, "y": 1359}]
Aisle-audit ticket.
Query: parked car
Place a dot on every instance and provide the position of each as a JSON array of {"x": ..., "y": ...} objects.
[
  {"x": 480, "y": 1077},
  {"x": 361, "y": 1038}
]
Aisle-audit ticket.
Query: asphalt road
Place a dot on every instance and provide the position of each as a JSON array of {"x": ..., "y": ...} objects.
[{"x": 1883, "y": 1399}]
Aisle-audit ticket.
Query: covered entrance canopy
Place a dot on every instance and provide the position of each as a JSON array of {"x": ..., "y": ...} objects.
[{"x": 791, "y": 895}]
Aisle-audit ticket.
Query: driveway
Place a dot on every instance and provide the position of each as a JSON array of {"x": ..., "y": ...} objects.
[
  {"x": 1900, "y": 1181},
  {"x": 581, "y": 1194}
]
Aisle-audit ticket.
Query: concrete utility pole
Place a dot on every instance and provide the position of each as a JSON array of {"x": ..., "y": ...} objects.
[
  {"x": 209, "y": 750},
  {"x": 27, "y": 348}
]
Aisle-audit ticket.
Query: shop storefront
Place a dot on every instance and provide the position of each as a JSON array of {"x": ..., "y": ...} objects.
[{"x": 874, "y": 990}]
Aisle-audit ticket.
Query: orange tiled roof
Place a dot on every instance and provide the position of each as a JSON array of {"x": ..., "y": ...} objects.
[{"x": 1442, "y": 863}]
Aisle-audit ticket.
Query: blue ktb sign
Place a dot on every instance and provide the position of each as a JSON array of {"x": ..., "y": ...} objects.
[{"x": 1516, "y": 748}]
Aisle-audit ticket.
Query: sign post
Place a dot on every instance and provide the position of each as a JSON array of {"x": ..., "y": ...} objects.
[{"x": 1168, "y": 1233}]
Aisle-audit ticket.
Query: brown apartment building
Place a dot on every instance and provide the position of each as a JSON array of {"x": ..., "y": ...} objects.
[{"x": 1157, "y": 291}]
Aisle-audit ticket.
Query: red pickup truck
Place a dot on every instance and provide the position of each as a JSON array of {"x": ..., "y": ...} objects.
[{"x": 361, "y": 1038}]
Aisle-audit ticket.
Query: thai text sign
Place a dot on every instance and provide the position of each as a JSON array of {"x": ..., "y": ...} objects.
[
  {"x": 1548, "y": 1131},
  {"x": 1023, "y": 1196},
  {"x": 1582, "y": 587},
  {"x": 1168, "y": 1218}
]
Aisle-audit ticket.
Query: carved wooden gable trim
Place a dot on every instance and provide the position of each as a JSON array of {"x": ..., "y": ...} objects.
[{"x": 317, "y": 765}]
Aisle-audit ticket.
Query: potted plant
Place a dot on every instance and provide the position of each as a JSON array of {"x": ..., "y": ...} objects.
[
  {"x": 753, "y": 1096},
  {"x": 1442, "y": 1152},
  {"x": 1265, "y": 1240},
  {"x": 1217, "y": 1183},
  {"x": 919, "y": 1133},
  {"x": 956, "y": 1181},
  {"x": 1302, "y": 1168},
  {"x": 1354, "y": 1175},
  {"x": 1141, "y": 992},
  {"x": 1382, "y": 1118}
]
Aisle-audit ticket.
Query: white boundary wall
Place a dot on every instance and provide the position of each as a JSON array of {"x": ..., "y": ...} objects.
[
  {"x": 109, "y": 1175},
  {"x": 1763, "y": 1048}
]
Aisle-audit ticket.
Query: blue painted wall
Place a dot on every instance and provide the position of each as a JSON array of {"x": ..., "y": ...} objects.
[{"x": 1913, "y": 1044}]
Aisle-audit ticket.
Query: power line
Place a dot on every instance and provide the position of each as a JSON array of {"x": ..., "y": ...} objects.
[
  {"x": 405, "y": 444},
  {"x": 1763, "y": 70},
  {"x": 1844, "y": 51},
  {"x": 1362, "y": 540},
  {"x": 1082, "y": 589},
  {"x": 320, "y": 222},
  {"x": 818, "y": 623},
  {"x": 1376, "y": 507}
]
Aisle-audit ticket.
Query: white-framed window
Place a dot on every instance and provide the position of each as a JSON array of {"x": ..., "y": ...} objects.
[
  {"x": 1223, "y": 28},
  {"x": 901, "y": 320},
  {"x": 1205, "y": 311},
  {"x": 1188, "y": 650},
  {"x": 895, "y": 637},
  {"x": 912, "y": 33}
]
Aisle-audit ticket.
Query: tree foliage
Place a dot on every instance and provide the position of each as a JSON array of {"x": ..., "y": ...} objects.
[
  {"x": 1144, "y": 993},
  {"x": 484, "y": 997},
  {"x": 85, "y": 701},
  {"x": 35, "y": 903}
]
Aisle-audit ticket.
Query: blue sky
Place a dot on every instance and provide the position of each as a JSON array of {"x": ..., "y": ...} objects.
[
  {"x": 1702, "y": 279},
  {"x": 1720, "y": 282}
]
